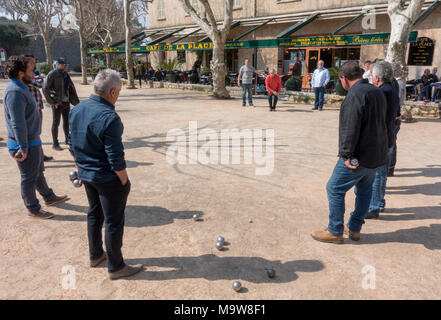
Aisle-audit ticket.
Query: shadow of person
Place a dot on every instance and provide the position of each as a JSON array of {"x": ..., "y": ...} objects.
[
  {"x": 429, "y": 237},
  {"x": 432, "y": 171},
  {"x": 413, "y": 213},
  {"x": 430, "y": 189},
  {"x": 212, "y": 267},
  {"x": 136, "y": 216}
]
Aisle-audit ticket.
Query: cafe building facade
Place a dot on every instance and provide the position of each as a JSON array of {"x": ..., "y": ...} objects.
[{"x": 271, "y": 33}]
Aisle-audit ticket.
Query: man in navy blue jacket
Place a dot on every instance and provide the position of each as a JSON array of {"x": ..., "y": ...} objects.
[
  {"x": 95, "y": 141},
  {"x": 382, "y": 77},
  {"x": 23, "y": 126}
]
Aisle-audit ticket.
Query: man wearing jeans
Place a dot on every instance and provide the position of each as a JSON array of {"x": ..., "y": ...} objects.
[
  {"x": 96, "y": 144},
  {"x": 382, "y": 76},
  {"x": 273, "y": 85},
  {"x": 320, "y": 79},
  {"x": 246, "y": 74},
  {"x": 23, "y": 127},
  {"x": 362, "y": 136}
]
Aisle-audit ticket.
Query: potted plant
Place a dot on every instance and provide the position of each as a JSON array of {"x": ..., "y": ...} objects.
[{"x": 170, "y": 66}]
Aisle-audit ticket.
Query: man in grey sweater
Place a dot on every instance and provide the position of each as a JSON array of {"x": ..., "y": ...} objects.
[{"x": 23, "y": 128}]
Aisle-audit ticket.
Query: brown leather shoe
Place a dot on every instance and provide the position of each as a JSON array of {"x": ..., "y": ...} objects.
[
  {"x": 58, "y": 199},
  {"x": 96, "y": 262},
  {"x": 127, "y": 271},
  {"x": 41, "y": 214},
  {"x": 352, "y": 235},
  {"x": 326, "y": 236}
]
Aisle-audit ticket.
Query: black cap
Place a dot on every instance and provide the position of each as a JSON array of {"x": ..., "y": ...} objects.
[{"x": 61, "y": 61}]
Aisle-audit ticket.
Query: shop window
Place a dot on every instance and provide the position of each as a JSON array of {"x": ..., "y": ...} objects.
[
  {"x": 237, "y": 4},
  {"x": 161, "y": 10},
  {"x": 288, "y": 59},
  {"x": 181, "y": 56},
  {"x": 313, "y": 60}
]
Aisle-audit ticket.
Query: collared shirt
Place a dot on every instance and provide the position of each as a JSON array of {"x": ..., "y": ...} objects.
[
  {"x": 320, "y": 78},
  {"x": 34, "y": 88},
  {"x": 273, "y": 83},
  {"x": 95, "y": 140}
]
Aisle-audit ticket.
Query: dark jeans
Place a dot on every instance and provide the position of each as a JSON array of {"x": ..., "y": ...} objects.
[
  {"x": 140, "y": 80},
  {"x": 247, "y": 88},
  {"x": 379, "y": 190},
  {"x": 425, "y": 92},
  {"x": 341, "y": 181},
  {"x": 319, "y": 97},
  {"x": 272, "y": 98},
  {"x": 32, "y": 178},
  {"x": 436, "y": 91},
  {"x": 107, "y": 203},
  {"x": 393, "y": 150},
  {"x": 62, "y": 110}
]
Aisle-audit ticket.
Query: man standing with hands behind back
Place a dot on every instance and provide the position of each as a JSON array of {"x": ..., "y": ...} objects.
[
  {"x": 60, "y": 92},
  {"x": 320, "y": 79}
]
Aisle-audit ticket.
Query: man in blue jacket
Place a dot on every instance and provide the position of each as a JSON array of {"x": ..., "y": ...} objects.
[
  {"x": 23, "y": 127},
  {"x": 95, "y": 141}
]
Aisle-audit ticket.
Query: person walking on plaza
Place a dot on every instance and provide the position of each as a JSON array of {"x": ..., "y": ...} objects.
[
  {"x": 273, "y": 85},
  {"x": 95, "y": 141},
  {"x": 246, "y": 74},
  {"x": 34, "y": 88},
  {"x": 140, "y": 72},
  {"x": 59, "y": 91},
  {"x": 382, "y": 76},
  {"x": 320, "y": 79},
  {"x": 23, "y": 127},
  {"x": 362, "y": 136},
  {"x": 396, "y": 67}
]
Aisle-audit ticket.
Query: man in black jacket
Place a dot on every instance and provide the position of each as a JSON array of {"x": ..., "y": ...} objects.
[
  {"x": 60, "y": 92},
  {"x": 362, "y": 149},
  {"x": 382, "y": 77}
]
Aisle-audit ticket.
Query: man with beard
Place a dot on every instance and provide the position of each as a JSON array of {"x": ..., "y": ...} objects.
[{"x": 23, "y": 126}]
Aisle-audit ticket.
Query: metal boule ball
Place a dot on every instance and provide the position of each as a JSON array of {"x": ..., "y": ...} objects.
[
  {"x": 237, "y": 286},
  {"x": 219, "y": 245},
  {"x": 73, "y": 175},
  {"x": 221, "y": 239},
  {"x": 77, "y": 183},
  {"x": 196, "y": 217},
  {"x": 271, "y": 273}
]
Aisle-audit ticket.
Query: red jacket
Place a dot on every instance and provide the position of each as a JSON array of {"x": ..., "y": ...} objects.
[{"x": 274, "y": 83}]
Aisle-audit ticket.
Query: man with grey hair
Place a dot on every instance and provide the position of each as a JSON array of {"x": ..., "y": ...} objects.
[
  {"x": 382, "y": 75},
  {"x": 319, "y": 81},
  {"x": 96, "y": 144}
]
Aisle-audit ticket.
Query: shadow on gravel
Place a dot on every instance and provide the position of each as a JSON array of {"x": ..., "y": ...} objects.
[
  {"x": 413, "y": 213},
  {"x": 432, "y": 171},
  {"x": 136, "y": 216},
  {"x": 53, "y": 164},
  {"x": 212, "y": 267},
  {"x": 429, "y": 189}
]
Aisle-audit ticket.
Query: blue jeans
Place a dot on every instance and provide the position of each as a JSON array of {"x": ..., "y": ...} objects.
[
  {"x": 247, "y": 88},
  {"x": 272, "y": 98},
  {"x": 379, "y": 190},
  {"x": 437, "y": 87},
  {"x": 319, "y": 97},
  {"x": 393, "y": 150},
  {"x": 341, "y": 181},
  {"x": 32, "y": 178}
]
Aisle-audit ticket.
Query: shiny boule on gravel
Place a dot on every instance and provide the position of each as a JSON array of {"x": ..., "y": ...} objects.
[
  {"x": 271, "y": 273},
  {"x": 196, "y": 217},
  {"x": 219, "y": 245},
  {"x": 237, "y": 286},
  {"x": 221, "y": 239}
]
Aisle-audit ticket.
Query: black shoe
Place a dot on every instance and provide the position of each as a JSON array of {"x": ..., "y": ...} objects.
[
  {"x": 46, "y": 158},
  {"x": 320, "y": 109},
  {"x": 251, "y": 105},
  {"x": 372, "y": 215},
  {"x": 314, "y": 108},
  {"x": 57, "y": 147}
]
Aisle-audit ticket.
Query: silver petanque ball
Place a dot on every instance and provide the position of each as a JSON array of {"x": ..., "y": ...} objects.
[
  {"x": 221, "y": 239},
  {"x": 73, "y": 175},
  {"x": 77, "y": 183},
  {"x": 219, "y": 245},
  {"x": 237, "y": 286},
  {"x": 196, "y": 217},
  {"x": 271, "y": 273}
]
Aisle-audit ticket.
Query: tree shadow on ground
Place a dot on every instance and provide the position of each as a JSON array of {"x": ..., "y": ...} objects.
[
  {"x": 212, "y": 267},
  {"x": 295, "y": 110},
  {"x": 415, "y": 213},
  {"x": 136, "y": 216},
  {"x": 430, "y": 189},
  {"x": 429, "y": 237},
  {"x": 432, "y": 171},
  {"x": 71, "y": 164}
]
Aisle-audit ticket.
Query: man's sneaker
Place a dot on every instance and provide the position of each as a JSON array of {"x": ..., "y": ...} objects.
[
  {"x": 46, "y": 158},
  {"x": 352, "y": 235},
  {"x": 57, "y": 199},
  {"x": 57, "y": 147},
  {"x": 127, "y": 271},
  {"x": 372, "y": 215},
  {"x": 96, "y": 262},
  {"x": 326, "y": 236},
  {"x": 41, "y": 214}
]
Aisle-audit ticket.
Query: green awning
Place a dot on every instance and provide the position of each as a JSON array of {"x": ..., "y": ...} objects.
[
  {"x": 427, "y": 12},
  {"x": 297, "y": 26},
  {"x": 136, "y": 36},
  {"x": 187, "y": 35},
  {"x": 350, "y": 22},
  {"x": 253, "y": 29},
  {"x": 136, "y": 42},
  {"x": 168, "y": 35},
  {"x": 233, "y": 25}
]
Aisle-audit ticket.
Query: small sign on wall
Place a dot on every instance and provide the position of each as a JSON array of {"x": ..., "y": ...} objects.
[
  {"x": 2, "y": 54},
  {"x": 421, "y": 52}
]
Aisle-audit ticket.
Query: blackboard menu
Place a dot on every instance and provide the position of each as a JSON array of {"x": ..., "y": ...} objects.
[{"x": 421, "y": 52}]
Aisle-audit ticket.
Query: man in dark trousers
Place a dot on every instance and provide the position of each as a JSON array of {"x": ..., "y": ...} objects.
[
  {"x": 382, "y": 77},
  {"x": 96, "y": 144},
  {"x": 60, "y": 92},
  {"x": 23, "y": 127},
  {"x": 362, "y": 149}
]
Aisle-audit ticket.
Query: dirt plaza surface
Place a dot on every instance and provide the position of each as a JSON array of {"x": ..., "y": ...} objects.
[{"x": 266, "y": 219}]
